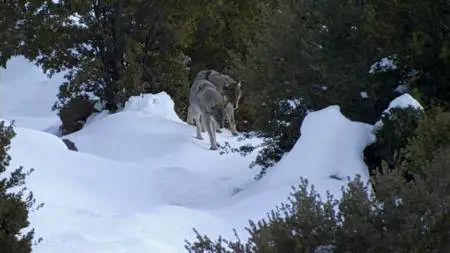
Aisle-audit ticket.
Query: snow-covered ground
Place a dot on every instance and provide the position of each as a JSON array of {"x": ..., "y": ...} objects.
[{"x": 141, "y": 181}]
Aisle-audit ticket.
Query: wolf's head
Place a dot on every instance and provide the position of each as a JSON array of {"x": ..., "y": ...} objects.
[
  {"x": 231, "y": 88},
  {"x": 233, "y": 92}
]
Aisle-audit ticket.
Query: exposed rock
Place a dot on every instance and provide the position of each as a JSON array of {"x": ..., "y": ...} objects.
[
  {"x": 70, "y": 144},
  {"x": 74, "y": 114}
]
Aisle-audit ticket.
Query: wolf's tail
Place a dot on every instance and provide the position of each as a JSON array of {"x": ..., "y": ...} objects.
[{"x": 190, "y": 117}]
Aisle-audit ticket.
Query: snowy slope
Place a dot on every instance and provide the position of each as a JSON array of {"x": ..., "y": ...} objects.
[
  {"x": 141, "y": 181},
  {"x": 27, "y": 95}
]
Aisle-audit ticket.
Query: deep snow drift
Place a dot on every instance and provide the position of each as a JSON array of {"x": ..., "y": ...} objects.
[{"x": 141, "y": 181}]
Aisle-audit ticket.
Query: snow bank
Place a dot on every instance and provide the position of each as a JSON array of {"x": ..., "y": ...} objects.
[
  {"x": 157, "y": 105},
  {"x": 329, "y": 150},
  {"x": 113, "y": 203},
  {"x": 330, "y": 147},
  {"x": 93, "y": 204},
  {"x": 80, "y": 180}
]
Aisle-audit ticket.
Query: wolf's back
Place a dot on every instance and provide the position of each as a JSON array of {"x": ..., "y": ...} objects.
[{"x": 197, "y": 87}]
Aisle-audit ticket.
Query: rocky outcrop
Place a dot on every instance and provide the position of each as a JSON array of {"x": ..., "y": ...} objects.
[{"x": 70, "y": 144}]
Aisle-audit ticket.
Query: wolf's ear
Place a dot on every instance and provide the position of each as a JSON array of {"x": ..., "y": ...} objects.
[{"x": 239, "y": 84}]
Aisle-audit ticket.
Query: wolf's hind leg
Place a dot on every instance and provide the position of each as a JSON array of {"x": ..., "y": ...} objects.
[
  {"x": 190, "y": 117},
  {"x": 198, "y": 127}
]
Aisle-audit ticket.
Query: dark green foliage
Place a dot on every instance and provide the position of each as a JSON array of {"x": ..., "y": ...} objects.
[
  {"x": 19, "y": 20},
  {"x": 420, "y": 42},
  {"x": 224, "y": 33},
  {"x": 433, "y": 134},
  {"x": 14, "y": 207},
  {"x": 398, "y": 126}
]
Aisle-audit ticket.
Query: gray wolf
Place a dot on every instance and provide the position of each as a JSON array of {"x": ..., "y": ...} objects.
[
  {"x": 228, "y": 87},
  {"x": 207, "y": 107}
]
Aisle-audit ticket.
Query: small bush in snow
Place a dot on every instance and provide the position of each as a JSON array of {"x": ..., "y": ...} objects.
[
  {"x": 14, "y": 207},
  {"x": 398, "y": 126},
  {"x": 280, "y": 134}
]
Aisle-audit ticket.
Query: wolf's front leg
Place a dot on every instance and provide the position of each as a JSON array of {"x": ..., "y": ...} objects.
[
  {"x": 211, "y": 129},
  {"x": 233, "y": 129}
]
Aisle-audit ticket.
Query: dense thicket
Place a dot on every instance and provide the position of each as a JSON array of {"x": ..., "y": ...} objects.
[{"x": 395, "y": 128}]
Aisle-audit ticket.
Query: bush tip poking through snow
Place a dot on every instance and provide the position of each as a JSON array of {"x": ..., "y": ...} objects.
[{"x": 404, "y": 101}]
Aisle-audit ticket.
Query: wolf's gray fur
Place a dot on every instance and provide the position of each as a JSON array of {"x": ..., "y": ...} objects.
[
  {"x": 224, "y": 83},
  {"x": 226, "y": 86},
  {"x": 207, "y": 106}
]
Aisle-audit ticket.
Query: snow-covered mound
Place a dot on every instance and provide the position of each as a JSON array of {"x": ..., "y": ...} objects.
[
  {"x": 157, "y": 105},
  {"x": 141, "y": 181},
  {"x": 329, "y": 151},
  {"x": 330, "y": 148}
]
